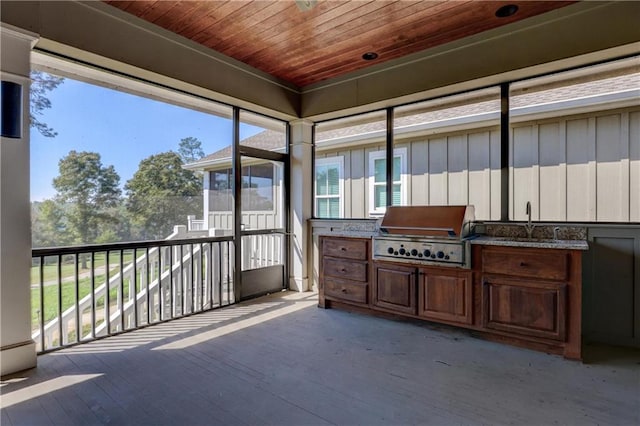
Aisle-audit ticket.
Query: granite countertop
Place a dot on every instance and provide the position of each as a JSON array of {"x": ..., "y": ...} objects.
[
  {"x": 532, "y": 243},
  {"x": 493, "y": 234}
]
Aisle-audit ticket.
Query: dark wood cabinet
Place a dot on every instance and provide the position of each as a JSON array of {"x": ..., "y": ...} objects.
[
  {"x": 445, "y": 295},
  {"x": 394, "y": 287},
  {"x": 529, "y": 297},
  {"x": 344, "y": 271},
  {"x": 530, "y": 308},
  {"x": 533, "y": 294}
]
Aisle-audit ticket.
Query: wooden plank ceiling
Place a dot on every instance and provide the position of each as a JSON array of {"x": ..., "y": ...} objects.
[{"x": 306, "y": 47}]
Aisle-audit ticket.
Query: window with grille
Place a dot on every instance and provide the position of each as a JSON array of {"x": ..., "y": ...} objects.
[
  {"x": 378, "y": 180},
  {"x": 329, "y": 187}
]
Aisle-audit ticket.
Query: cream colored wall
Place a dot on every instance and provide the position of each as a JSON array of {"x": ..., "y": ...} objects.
[
  {"x": 445, "y": 169},
  {"x": 579, "y": 169},
  {"x": 17, "y": 349}
]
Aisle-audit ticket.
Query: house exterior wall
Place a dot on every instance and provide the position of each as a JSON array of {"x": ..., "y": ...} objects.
[
  {"x": 574, "y": 168},
  {"x": 583, "y": 168}
]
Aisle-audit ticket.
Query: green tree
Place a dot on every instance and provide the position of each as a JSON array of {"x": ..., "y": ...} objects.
[
  {"x": 190, "y": 149},
  {"x": 41, "y": 84},
  {"x": 90, "y": 191},
  {"x": 49, "y": 227},
  {"x": 161, "y": 194}
]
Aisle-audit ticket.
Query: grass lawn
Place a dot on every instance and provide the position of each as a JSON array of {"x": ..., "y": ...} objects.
[
  {"x": 50, "y": 272},
  {"x": 69, "y": 297}
]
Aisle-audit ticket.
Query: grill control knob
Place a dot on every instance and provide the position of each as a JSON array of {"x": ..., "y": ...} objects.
[
  {"x": 401, "y": 251},
  {"x": 427, "y": 253},
  {"x": 390, "y": 250},
  {"x": 440, "y": 255},
  {"x": 414, "y": 252}
]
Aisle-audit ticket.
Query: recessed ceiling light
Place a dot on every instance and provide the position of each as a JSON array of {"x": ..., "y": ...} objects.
[
  {"x": 369, "y": 56},
  {"x": 506, "y": 10}
]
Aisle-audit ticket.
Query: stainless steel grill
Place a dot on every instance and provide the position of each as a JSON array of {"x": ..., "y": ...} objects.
[{"x": 429, "y": 235}]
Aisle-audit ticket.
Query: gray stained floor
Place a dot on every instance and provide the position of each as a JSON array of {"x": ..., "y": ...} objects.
[{"x": 280, "y": 360}]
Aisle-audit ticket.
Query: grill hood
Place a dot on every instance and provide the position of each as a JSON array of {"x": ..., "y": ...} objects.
[{"x": 452, "y": 222}]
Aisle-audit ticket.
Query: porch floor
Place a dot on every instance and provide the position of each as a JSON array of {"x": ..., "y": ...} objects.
[{"x": 280, "y": 360}]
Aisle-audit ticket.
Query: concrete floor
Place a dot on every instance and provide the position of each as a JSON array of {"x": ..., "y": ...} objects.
[{"x": 280, "y": 360}]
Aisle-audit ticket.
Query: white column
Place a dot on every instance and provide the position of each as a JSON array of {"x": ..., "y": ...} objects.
[
  {"x": 17, "y": 349},
  {"x": 301, "y": 204}
]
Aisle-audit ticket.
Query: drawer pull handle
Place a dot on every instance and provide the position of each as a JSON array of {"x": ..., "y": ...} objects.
[
  {"x": 343, "y": 248},
  {"x": 523, "y": 264},
  {"x": 344, "y": 290},
  {"x": 343, "y": 270}
]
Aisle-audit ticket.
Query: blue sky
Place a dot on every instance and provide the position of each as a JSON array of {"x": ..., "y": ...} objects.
[{"x": 124, "y": 129}]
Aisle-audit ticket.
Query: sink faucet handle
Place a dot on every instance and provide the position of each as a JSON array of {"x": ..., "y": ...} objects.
[
  {"x": 555, "y": 232},
  {"x": 528, "y": 212}
]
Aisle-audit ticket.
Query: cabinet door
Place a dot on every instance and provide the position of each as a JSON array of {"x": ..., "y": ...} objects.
[
  {"x": 445, "y": 295},
  {"x": 528, "y": 308},
  {"x": 394, "y": 288}
]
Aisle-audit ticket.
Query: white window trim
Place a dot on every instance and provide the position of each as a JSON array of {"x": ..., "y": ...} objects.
[
  {"x": 330, "y": 161},
  {"x": 377, "y": 155}
]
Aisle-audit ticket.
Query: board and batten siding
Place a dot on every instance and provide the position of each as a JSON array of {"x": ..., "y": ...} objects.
[
  {"x": 577, "y": 169},
  {"x": 455, "y": 169}
]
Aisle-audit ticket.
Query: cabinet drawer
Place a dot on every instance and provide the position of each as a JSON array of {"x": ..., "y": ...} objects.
[
  {"x": 351, "y": 291},
  {"x": 345, "y": 269},
  {"x": 345, "y": 248},
  {"x": 550, "y": 265}
]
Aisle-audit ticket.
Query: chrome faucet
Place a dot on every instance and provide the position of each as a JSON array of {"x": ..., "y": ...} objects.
[
  {"x": 529, "y": 226},
  {"x": 555, "y": 232}
]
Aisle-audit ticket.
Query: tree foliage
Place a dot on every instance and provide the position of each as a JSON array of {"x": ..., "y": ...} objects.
[
  {"x": 41, "y": 84},
  {"x": 49, "y": 225},
  {"x": 190, "y": 149},
  {"x": 161, "y": 194},
  {"x": 91, "y": 192}
]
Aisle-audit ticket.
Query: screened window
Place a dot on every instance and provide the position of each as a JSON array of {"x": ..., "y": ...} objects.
[
  {"x": 378, "y": 179},
  {"x": 220, "y": 195},
  {"x": 329, "y": 187},
  {"x": 257, "y": 188}
]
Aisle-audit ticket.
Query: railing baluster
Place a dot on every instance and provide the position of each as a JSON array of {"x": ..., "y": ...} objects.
[
  {"x": 121, "y": 298},
  {"x": 77, "y": 297},
  {"x": 172, "y": 301},
  {"x": 220, "y": 271},
  {"x": 210, "y": 275},
  {"x": 60, "y": 340},
  {"x": 107, "y": 296},
  {"x": 148, "y": 280},
  {"x": 201, "y": 280},
  {"x": 135, "y": 288},
  {"x": 42, "y": 342},
  {"x": 93, "y": 294},
  {"x": 199, "y": 287},
  {"x": 193, "y": 298},
  {"x": 228, "y": 267}
]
